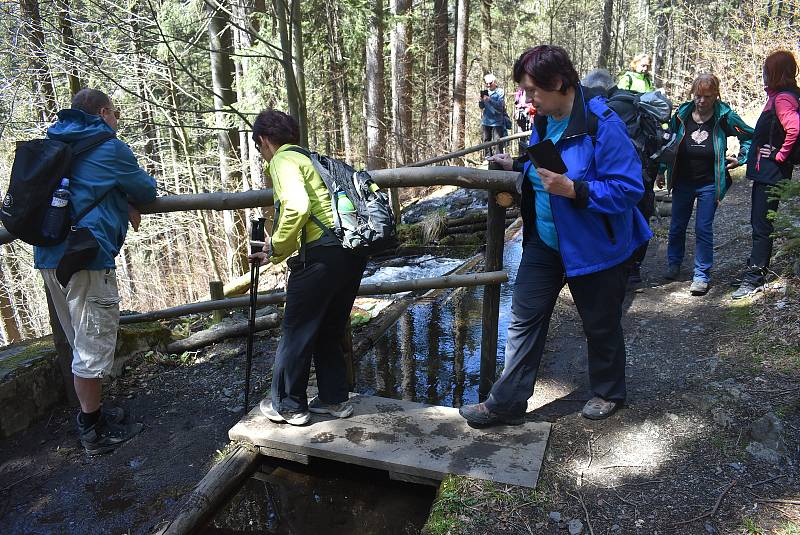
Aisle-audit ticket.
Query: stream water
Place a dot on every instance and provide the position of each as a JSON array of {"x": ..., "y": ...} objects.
[{"x": 431, "y": 355}]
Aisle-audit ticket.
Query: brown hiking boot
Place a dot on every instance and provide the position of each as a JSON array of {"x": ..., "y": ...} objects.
[{"x": 479, "y": 415}]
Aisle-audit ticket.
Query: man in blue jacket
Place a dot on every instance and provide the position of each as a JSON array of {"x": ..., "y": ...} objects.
[
  {"x": 493, "y": 116},
  {"x": 580, "y": 227},
  {"x": 88, "y": 306}
]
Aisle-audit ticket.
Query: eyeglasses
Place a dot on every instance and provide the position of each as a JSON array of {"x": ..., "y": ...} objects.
[
  {"x": 115, "y": 111},
  {"x": 257, "y": 144}
]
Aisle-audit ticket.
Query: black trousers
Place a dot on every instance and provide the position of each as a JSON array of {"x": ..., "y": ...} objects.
[
  {"x": 761, "y": 252},
  {"x": 319, "y": 296},
  {"x": 598, "y": 297}
]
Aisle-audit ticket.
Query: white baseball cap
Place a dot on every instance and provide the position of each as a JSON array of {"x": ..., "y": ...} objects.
[{"x": 489, "y": 78}]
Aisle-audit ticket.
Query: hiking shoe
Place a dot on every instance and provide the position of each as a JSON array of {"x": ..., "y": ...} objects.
[
  {"x": 339, "y": 410},
  {"x": 479, "y": 415},
  {"x": 746, "y": 289},
  {"x": 598, "y": 408},
  {"x": 290, "y": 417},
  {"x": 104, "y": 436},
  {"x": 698, "y": 287},
  {"x": 672, "y": 273}
]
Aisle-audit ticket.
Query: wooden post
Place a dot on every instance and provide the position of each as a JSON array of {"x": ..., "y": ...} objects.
[
  {"x": 63, "y": 352},
  {"x": 495, "y": 233},
  {"x": 215, "y": 288},
  {"x": 219, "y": 484}
]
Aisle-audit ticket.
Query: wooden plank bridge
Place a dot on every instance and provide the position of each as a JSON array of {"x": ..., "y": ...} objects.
[{"x": 412, "y": 441}]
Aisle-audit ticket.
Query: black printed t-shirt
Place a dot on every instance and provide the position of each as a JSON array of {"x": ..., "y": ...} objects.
[{"x": 696, "y": 153}]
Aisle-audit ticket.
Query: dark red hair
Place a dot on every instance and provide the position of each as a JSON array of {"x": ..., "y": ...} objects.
[
  {"x": 548, "y": 66},
  {"x": 278, "y": 127},
  {"x": 780, "y": 71}
]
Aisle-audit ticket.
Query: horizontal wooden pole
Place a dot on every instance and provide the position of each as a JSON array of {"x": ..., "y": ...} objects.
[
  {"x": 379, "y": 288},
  {"x": 464, "y": 152},
  {"x": 386, "y": 178}
]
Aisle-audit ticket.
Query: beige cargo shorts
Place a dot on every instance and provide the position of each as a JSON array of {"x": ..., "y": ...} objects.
[{"x": 88, "y": 310}]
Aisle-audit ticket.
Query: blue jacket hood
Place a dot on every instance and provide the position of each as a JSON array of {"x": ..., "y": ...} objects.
[
  {"x": 74, "y": 125},
  {"x": 109, "y": 169}
]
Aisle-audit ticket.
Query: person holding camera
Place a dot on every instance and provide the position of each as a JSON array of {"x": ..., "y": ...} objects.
[{"x": 493, "y": 117}]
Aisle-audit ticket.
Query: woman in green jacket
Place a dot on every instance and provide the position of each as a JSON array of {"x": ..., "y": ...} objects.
[
  {"x": 637, "y": 79},
  {"x": 700, "y": 171},
  {"x": 323, "y": 279}
]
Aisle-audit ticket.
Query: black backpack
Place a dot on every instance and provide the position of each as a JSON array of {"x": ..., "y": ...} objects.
[
  {"x": 374, "y": 231},
  {"x": 39, "y": 165},
  {"x": 643, "y": 115}
]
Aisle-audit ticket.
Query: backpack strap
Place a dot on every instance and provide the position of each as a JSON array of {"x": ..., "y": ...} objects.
[
  {"x": 87, "y": 144},
  {"x": 326, "y": 180},
  {"x": 80, "y": 147}
]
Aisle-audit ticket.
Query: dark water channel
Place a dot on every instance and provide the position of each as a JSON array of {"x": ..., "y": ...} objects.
[{"x": 431, "y": 355}]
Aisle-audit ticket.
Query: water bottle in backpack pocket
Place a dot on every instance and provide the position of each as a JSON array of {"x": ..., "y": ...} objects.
[{"x": 57, "y": 215}]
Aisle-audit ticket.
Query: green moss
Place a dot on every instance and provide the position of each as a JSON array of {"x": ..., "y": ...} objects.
[
  {"x": 740, "y": 314},
  {"x": 141, "y": 336},
  {"x": 409, "y": 234},
  {"x": 25, "y": 354},
  {"x": 444, "y": 517}
]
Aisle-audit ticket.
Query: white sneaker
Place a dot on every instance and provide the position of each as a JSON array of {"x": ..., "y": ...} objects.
[
  {"x": 291, "y": 417},
  {"x": 339, "y": 410}
]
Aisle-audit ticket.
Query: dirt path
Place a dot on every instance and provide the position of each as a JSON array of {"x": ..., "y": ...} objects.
[
  {"x": 698, "y": 380},
  {"x": 699, "y": 375}
]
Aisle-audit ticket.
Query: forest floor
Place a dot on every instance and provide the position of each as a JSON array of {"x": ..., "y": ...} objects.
[
  {"x": 709, "y": 440},
  {"x": 702, "y": 373}
]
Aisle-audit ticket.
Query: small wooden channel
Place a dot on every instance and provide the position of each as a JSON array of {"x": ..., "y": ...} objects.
[{"x": 412, "y": 441}]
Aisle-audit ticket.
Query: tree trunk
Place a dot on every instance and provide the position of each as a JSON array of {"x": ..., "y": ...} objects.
[
  {"x": 222, "y": 72},
  {"x": 460, "y": 82},
  {"x": 341, "y": 100},
  {"x": 441, "y": 68},
  {"x": 663, "y": 14},
  {"x": 486, "y": 36},
  {"x": 68, "y": 42},
  {"x": 374, "y": 97},
  {"x": 292, "y": 93},
  {"x": 605, "y": 39},
  {"x": 42, "y": 82},
  {"x": 7, "y": 315},
  {"x": 298, "y": 65},
  {"x": 401, "y": 91}
]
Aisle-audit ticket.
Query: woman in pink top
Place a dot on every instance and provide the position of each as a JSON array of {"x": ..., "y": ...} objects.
[{"x": 775, "y": 141}]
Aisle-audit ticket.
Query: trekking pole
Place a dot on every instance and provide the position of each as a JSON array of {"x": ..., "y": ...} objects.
[{"x": 256, "y": 235}]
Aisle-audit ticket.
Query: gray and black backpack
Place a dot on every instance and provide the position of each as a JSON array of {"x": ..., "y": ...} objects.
[{"x": 372, "y": 231}]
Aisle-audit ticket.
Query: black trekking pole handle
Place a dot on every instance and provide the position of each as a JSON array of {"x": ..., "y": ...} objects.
[{"x": 256, "y": 235}]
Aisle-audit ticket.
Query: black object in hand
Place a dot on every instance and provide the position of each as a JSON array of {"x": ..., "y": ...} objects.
[
  {"x": 256, "y": 234},
  {"x": 484, "y": 93},
  {"x": 546, "y": 156}
]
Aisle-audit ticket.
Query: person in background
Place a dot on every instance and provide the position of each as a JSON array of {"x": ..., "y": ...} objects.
[
  {"x": 579, "y": 229},
  {"x": 638, "y": 77},
  {"x": 493, "y": 116},
  {"x": 323, "y": 279},
  {"x": 523, "y": 116},
  {"x": 88, "y": 306},
  {"x": 776, "y": 136},
  {"x": 601, "y": 80},
  {"x": 700, "y": 173}
]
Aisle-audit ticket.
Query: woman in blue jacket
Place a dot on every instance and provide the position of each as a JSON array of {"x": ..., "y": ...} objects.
[{"x": 580, "y": 227}]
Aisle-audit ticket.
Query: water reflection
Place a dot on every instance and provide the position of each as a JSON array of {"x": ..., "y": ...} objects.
[{"x": 432, "y": 354}]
